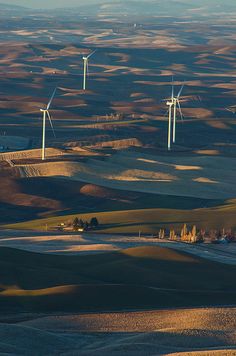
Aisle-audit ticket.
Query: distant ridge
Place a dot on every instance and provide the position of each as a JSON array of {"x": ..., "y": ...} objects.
[
  {"x": 170, "y": 8},
  {"x": 4, "y": 6},
  {"x": 167, "y": 8}
]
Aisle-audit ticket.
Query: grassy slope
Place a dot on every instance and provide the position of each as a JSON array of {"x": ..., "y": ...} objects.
[
  {"x": 125, "y": 279},
  {"x": 148, "y": 220}
]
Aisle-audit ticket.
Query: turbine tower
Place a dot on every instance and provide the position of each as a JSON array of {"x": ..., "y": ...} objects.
[
  {"x": 177, "y": 103},
  {"x": 86, "y": 67},
  {"x": 46, "y": 114},
  {"x": 170, "y": 104}
]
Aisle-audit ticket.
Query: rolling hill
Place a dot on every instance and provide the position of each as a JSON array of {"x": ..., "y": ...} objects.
[
  {"x": 174, "y": 8},
  {"x": 142, "y": 277},
  {"x": 181, "y": 8}
]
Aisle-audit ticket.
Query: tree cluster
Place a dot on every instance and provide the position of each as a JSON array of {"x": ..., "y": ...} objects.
[
  {"x": 194, "y": 235},
  {"x": 85, "y": 225}
]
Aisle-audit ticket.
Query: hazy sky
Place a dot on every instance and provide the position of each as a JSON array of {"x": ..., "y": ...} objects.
[
  {"x": 49, "y": 3},
  {"x": 66, "y": 3}
]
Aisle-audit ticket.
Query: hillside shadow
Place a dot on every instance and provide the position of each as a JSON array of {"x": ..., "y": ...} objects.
[
  {"x": 120, "y": 343},
  {"x": 142, "y": 277}
]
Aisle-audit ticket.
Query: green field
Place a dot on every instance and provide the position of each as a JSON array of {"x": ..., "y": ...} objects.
[
  {"x": 146, "y": 220},
  {"x": 142, "y": 277}
]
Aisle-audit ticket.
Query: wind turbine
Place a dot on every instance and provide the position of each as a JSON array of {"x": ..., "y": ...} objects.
[
  {"x": 86, "y": 67},
  {"x": 45, "y": 115},
  {"x": 173, "y": 103}
]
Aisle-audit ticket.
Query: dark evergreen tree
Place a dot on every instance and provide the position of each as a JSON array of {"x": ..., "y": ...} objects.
[
  {"x": 81, "y": 223},
  {"x": 94, "y": 222},
  {"x": 76, "y": 223}
]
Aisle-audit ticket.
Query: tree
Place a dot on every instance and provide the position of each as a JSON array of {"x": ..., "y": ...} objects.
[
  {"x": 194, "y": 234},
  {"x": 203, "y": 233},
  {"x": 213, "y": 235},
  {"x": 201, "y": 236},
  {"x": 161, "y": 234},
  {"x": 94, "y": 222},
  {"x": 81, "y": 223},
  {"x": 86, "y": 226},
  {"x": 75, "y": 223},
  {"x": 184, "y": 233},
  {"x": 218, "y": 234},
  {"x": 229, "y": 235},
  {"x": 172, "y": 235}
]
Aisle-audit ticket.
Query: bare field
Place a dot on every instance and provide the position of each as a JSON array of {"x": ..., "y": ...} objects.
[
  {"x": 175, "y": 332},
  {"x": 92, "y": 243},
  {"x": 65, "y": 318},
  {"x": 37, "y": 68},
  {"x": 137, "y": 278},
  {"x": 29, "y": 154},
  {"x": 140, "y": 172}
]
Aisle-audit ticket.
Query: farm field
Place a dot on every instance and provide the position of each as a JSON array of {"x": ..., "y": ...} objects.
[
  {"x": 115, "y": 288},
  {"x": 145, "y": 220},
  {"x": 135, "y": 282},
  {"x": 110, "y": 152}
]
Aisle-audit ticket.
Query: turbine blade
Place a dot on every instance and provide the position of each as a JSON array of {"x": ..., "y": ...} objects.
[
  {"x": 231, "y": 109},
  {"x": 91, "y": 54},
  {"x": 180, "y": 111},
  {"x": 50, "y": 120},
  {"x": 181, "y": 89},
  {"x": 50, "y": 101}
]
